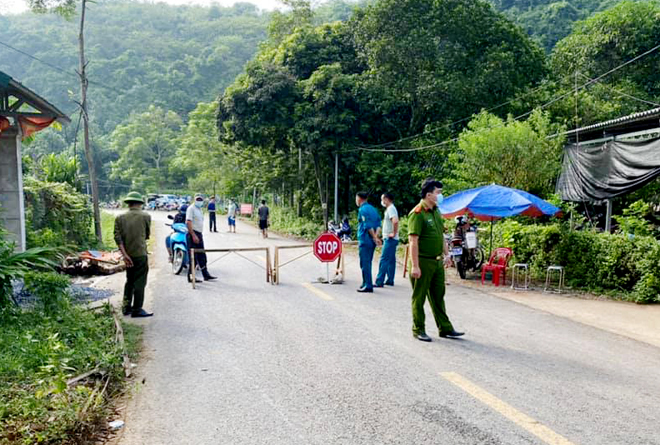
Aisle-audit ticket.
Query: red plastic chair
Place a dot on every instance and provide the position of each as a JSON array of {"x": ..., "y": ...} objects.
[{"x": 502, "y": 255}]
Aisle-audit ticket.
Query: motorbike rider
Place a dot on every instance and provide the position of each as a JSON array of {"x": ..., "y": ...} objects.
[{"x": 179, "y": 218}]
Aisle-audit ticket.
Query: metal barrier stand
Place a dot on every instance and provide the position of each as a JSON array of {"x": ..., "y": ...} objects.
[{"x": 235, "y": 250}]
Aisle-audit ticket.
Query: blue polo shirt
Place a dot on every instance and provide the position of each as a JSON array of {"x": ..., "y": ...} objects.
[{"x": 368, "y": 218}]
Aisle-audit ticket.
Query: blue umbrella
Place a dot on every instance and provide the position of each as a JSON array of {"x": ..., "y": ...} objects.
[{"x": 492, "y": 202}]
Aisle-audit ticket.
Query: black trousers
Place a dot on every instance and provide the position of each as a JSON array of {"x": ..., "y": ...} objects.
[
  {"x": 200, "y": 257},
  {"x": 136, "y": 281},
  {"x": 212, "y": 225}
]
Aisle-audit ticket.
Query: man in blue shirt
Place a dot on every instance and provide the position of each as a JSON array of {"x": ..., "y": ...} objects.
[
  {"x": 368, "y": 224},
  {"x": 212, "y": 221}
]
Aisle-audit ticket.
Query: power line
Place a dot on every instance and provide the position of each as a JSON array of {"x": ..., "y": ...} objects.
[
  {"x": 648, "y": 102},
  {"x": 57, "y": 68},
  {"x": 451, "y": 124},
  {"x": 376, "y": 148}
]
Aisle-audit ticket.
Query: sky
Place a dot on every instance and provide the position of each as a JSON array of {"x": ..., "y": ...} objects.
[{"x": 17, "y": 6}]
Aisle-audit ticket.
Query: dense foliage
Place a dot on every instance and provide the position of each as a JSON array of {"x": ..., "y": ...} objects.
[
  {"x": 56, "y": 214},
  {"x": 620, "y": 264},
  {"x": 40, "y": 350}
]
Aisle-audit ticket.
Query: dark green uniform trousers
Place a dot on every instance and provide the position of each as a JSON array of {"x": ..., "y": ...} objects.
[
  {"x": 432, "y": 285},
  {"x": 136, "y": 281}
]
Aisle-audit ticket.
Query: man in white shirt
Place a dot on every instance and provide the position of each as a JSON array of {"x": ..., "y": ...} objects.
[
  {"x": 195, "y": 224},
  {"x": 231, "y": 216},
  {"x": 387, "y": 266}
]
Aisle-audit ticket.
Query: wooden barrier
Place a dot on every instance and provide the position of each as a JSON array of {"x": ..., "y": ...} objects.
[
  {"x": 275, "y": 274},
  {"x": 276, "y": 258},
  {"x": 233, "y": 250}
]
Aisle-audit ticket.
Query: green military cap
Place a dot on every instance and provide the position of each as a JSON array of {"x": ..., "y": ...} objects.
[{"x": 134, "y": 197}]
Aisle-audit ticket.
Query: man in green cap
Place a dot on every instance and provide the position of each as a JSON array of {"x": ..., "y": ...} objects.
[
  {"x": 427, "y": 251},
  {"x": 131, "y": 233}
]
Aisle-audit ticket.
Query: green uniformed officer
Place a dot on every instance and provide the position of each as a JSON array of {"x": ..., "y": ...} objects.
[
  {"x": 131, "y": 233},
  {"x": 427, "y": 251}
]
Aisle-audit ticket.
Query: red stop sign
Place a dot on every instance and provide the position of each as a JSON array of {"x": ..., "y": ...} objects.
[{"x": 327, "y": 247}]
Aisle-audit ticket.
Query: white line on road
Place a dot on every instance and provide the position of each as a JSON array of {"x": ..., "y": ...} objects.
[
  {"x": 533, "y": 426},
  {"x": 318, "y": 292}
]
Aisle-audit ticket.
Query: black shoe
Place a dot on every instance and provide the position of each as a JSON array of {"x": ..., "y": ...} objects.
[
  {"x": 196, "y": 280},
  {"x": 451, "y": 334},
  {"x": 127, "y": 310},
  {"x": 209, "y": 277},
  {"x": 364, "y": 290},
  {"x": 422, "y": 337},
  {"x": 141, "y": 314},
  {"x": 389, "y": 284},
  {"x": 378, "y": 285}
]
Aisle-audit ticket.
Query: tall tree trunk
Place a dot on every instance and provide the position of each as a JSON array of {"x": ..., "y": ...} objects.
[
  {"x": 83, "y": 103},
  {"x": 322, "y": 198}
]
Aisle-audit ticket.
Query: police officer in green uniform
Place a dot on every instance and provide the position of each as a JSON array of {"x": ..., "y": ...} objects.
[
  {"x": 427, "y": 252},
  {"x": 131, "y": 233}
]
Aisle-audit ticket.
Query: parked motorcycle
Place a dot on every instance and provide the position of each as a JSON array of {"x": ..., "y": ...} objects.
[
  {"x": 178, "y": 245},
  {"x": 466, "y": 252},
  {"x": 343, "y": 231}
]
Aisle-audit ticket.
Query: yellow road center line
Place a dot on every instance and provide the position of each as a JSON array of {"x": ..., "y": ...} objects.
[
  {"x": 524, "y": 421},
  {"x": 318, "y": 292}
]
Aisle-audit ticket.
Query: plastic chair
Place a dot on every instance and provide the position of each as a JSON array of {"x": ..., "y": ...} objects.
[{"x": 502, "y": 255}]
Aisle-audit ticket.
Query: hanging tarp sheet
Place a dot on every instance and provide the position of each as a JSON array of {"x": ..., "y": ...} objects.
[{"x": 599, "y": 172}]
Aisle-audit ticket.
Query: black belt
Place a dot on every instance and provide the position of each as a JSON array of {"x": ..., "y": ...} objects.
[{"x": 437, "y": 258}]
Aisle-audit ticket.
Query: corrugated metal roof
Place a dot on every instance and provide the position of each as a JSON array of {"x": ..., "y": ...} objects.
[
  {"x": 643, "y": 115},
  {"x": 30, "y": 97}
]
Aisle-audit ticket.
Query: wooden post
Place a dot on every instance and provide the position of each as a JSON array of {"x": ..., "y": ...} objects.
[
  {"x": 191, "y": 271},
  {"x": 268, "y": 269},
  {"x": 405, "y": 260},
  {"x": 277, "y": 265}
]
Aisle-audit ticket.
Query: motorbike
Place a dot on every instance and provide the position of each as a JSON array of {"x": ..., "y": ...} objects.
[
  {"x": 343, "y": 231},
  {"x": 178, "y": 245},
  {"x": 466, "y": 252}
]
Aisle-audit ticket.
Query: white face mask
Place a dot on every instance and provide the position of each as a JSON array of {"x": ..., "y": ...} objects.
[
  {"x": 440, "y": 198},
  {"x": 383, "y": 203},
  {"x": 199, "y": 204}
]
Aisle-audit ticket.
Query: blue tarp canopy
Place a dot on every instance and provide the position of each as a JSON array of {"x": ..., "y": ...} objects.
[{"x": 492, "y": 202}]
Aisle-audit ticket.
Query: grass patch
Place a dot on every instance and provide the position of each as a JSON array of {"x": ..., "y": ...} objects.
[
  {"x": 39, "y": 351},
  {"x": 108, "y": 230}
]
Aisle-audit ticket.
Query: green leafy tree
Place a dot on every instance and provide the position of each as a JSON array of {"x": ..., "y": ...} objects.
[
  {"x": 509, "y": 153},
  {"x": 600, "y": 44},
  {"x": 433, "y": 64},
  {"x": 145, "y": 145}
]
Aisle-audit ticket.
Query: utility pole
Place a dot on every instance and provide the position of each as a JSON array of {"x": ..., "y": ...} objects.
[
  {"x": 336, "y": 216},
  {"x": 83, "y": 105},
  {"x": 300, "y": 182}
]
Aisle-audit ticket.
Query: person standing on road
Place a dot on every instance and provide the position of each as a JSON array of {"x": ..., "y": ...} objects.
[
  {"x": 231, "y": 216},
  {"x": 195, "y": 224},
  {"x": 427, "y": 251},
  {"x": 264, "y": 213},
  {"x": 212, "y": 221},
  {"x": 368, "y": 224},
  {"x": 387, "y": 266},
  {"x": 132, "y": 231}
]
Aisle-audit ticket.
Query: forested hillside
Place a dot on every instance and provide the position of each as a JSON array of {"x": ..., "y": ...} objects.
[
  {"x": 550, "y": 20},
  {"x": 139, "y": 55}
]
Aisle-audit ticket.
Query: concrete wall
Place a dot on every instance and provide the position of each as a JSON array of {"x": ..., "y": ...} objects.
[{"x": 12, "y": 208}]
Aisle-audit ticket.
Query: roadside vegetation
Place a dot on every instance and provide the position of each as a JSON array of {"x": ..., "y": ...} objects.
[{"x": 46, "y": 342}]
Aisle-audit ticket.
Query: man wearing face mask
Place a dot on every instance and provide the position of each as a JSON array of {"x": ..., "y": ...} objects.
[
  {"x": 427, "y": 251},
  {"x": 387, "y": 266},
  {"x": 195, "y": 224}
]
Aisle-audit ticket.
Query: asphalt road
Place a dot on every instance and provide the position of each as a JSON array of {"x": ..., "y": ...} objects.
[{"x": 239, "y": 361}]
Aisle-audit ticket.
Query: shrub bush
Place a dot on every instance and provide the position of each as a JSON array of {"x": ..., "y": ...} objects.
[
  {"x": 285, "y": 220},
  {"x": 56, "y": 214},
  {"x": 50, "y": 291},
  {"x": 629, "y": 266}
]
